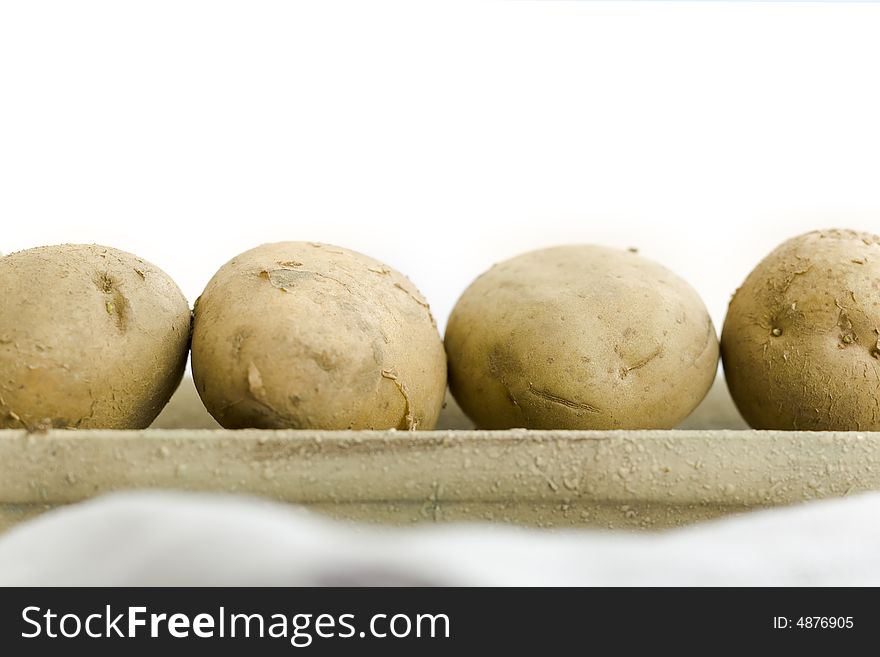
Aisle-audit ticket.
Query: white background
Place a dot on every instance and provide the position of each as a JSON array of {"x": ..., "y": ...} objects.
[{"x": 439, "y": 137}]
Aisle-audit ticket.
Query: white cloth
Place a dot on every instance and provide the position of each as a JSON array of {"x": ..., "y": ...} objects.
[{"x": 164, "y": 538}]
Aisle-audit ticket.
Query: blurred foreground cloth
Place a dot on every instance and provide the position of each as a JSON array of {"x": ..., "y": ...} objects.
[{"x": 164, "y": 538}]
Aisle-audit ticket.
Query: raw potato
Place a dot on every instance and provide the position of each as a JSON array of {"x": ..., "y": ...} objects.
[
  {"x": 580, "y": 337},
  {"x": 90, "y": 337},
  {"x": 311, "y": 336},
  {"x": 800, "y": 342}
]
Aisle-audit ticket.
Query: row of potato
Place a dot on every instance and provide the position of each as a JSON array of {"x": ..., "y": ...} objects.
[{"x": 301, "y": 335}]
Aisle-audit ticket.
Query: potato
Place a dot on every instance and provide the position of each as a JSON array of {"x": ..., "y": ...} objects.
[
  {"x": 90, "y": 337},
  {"x": 800, "y": 342},
  {"x": 580, "y": 337},
  {"x": 311, "y": 336}
]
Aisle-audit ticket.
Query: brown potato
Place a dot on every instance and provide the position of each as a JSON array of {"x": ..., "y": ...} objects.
[
  {"x": 312, "y": 336},
  {"x": 801, "y": 341},
  {"x": 580, "y": 337},
  {"x": 90, "y": 337}
]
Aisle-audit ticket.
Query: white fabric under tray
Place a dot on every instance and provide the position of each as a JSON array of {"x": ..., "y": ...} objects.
[{"x": 164, "y": 538}]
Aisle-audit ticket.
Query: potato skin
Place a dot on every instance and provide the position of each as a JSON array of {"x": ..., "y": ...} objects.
[
  {"x": 800, "y": 342},
  {"x": 301, "y": 335},
  {"x": 90, "y": 337},
  {"x": 580, "y": 337}
]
